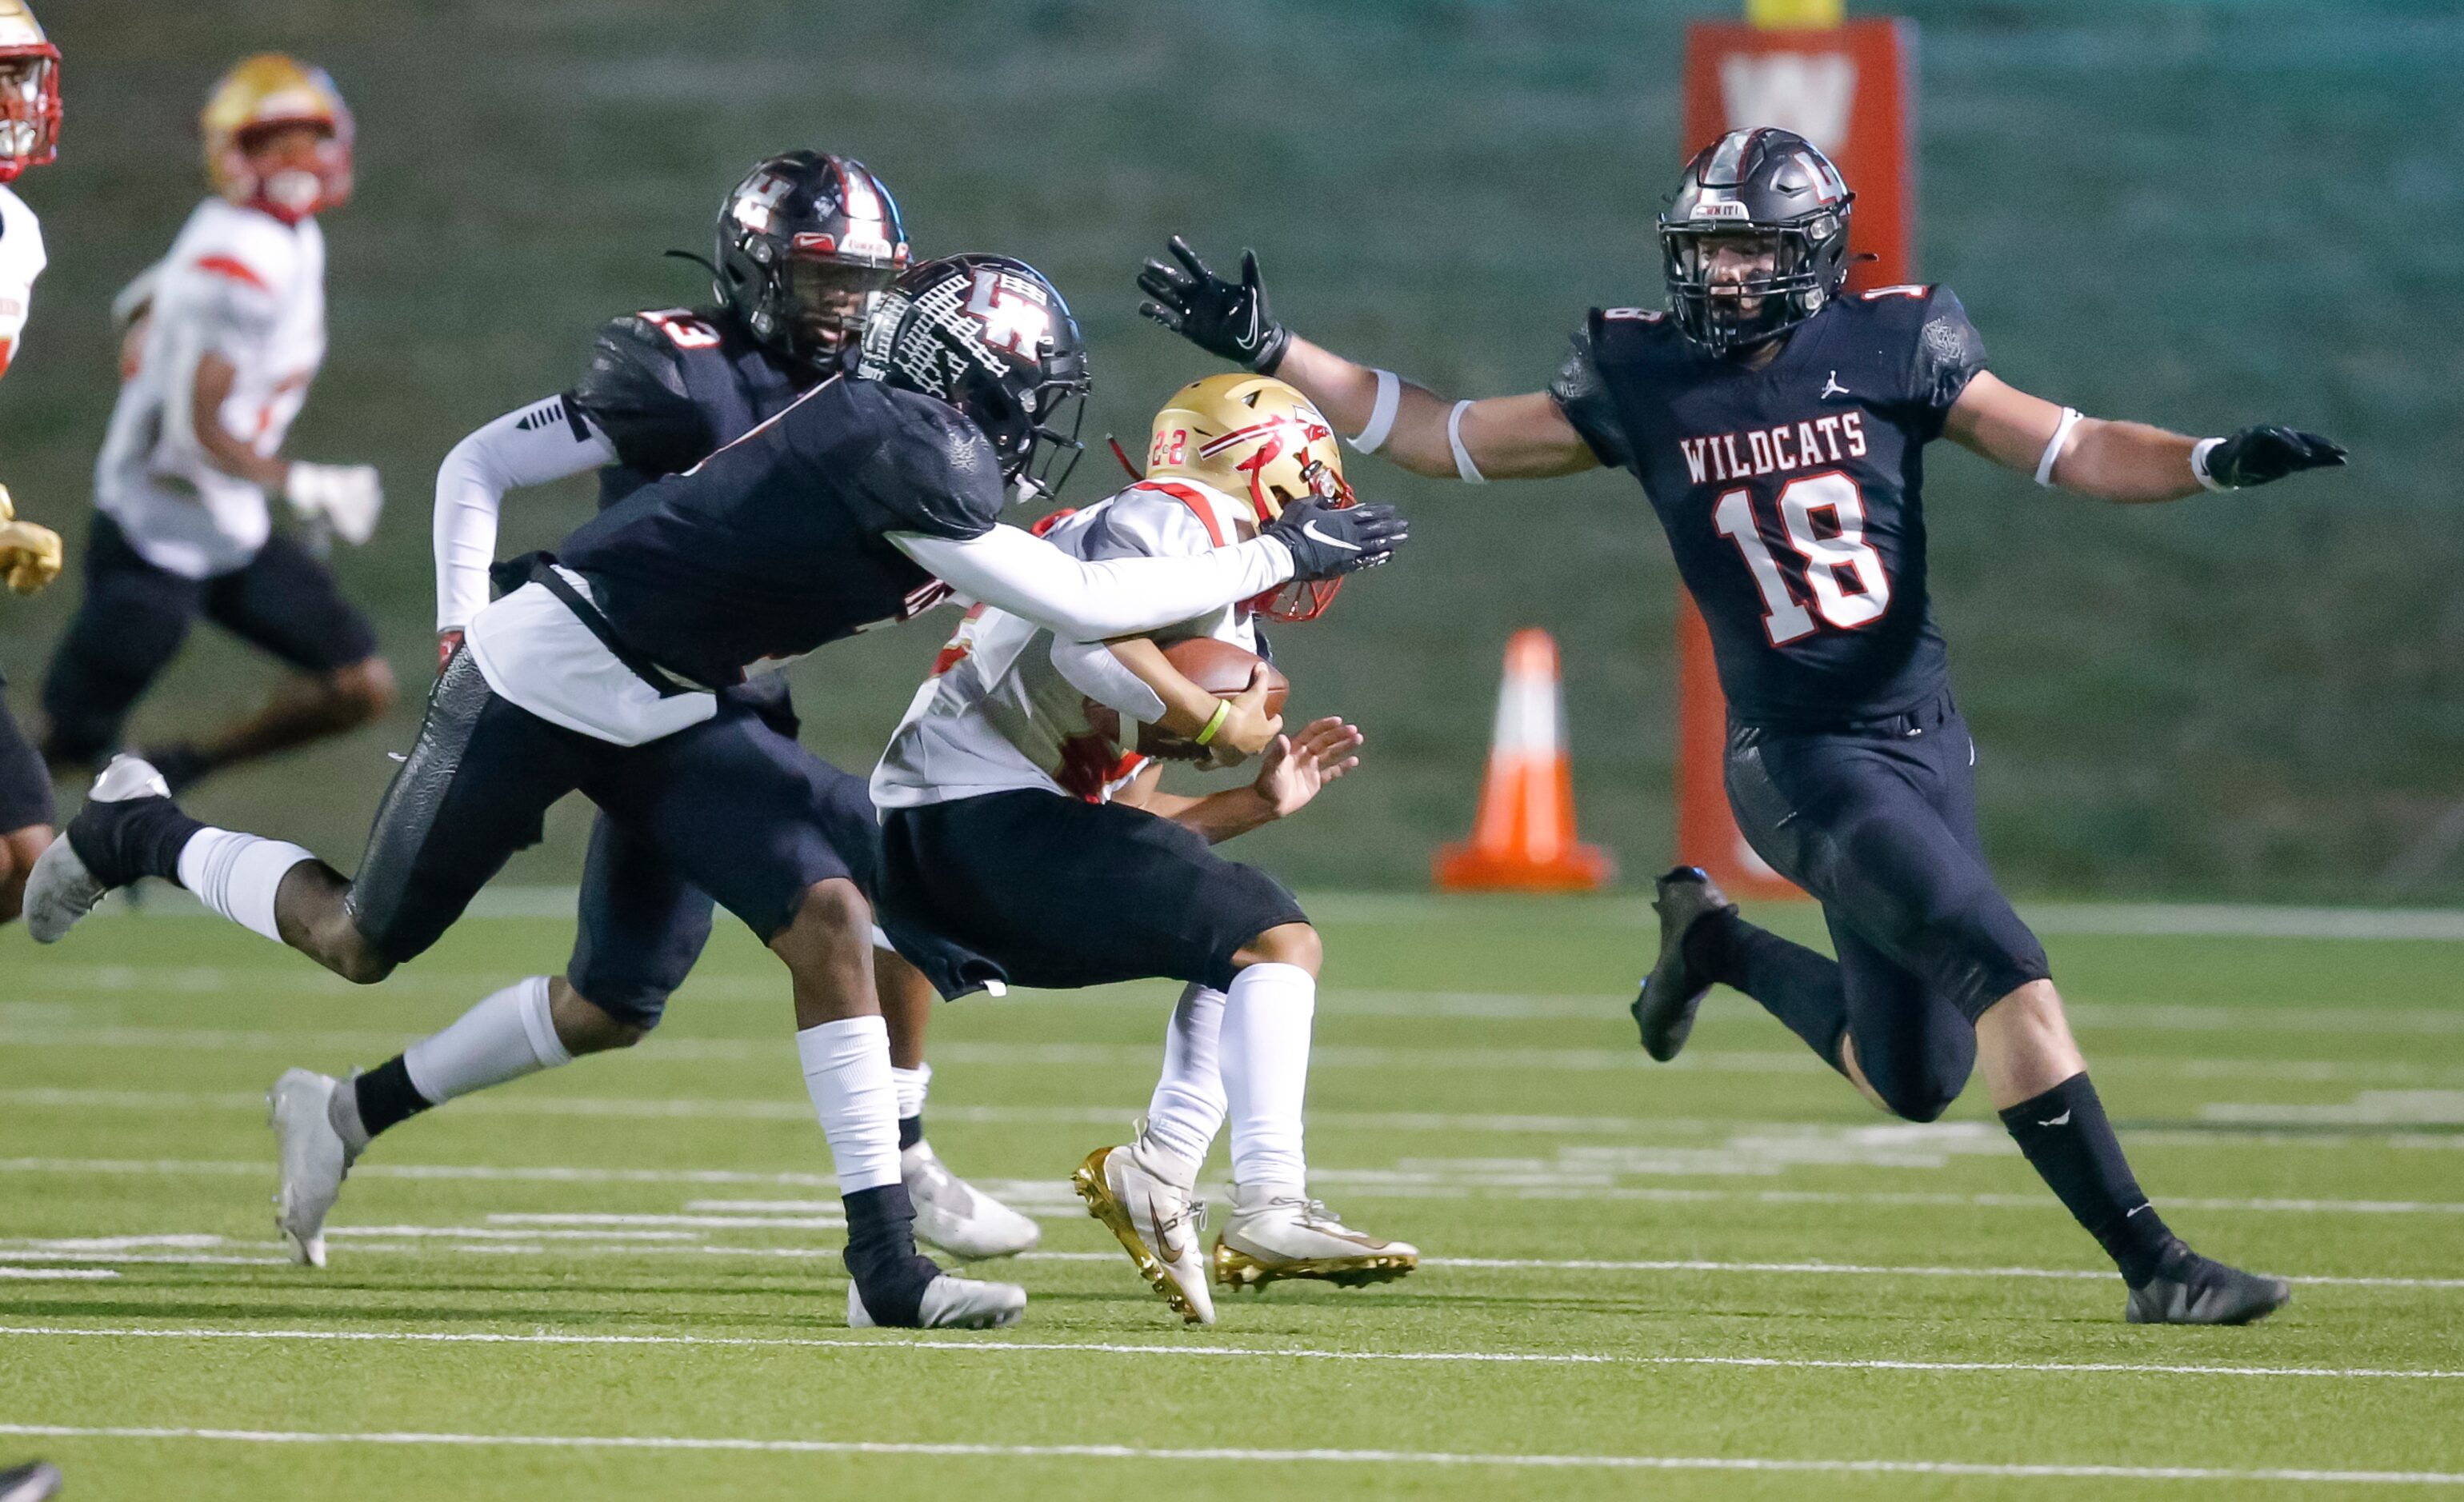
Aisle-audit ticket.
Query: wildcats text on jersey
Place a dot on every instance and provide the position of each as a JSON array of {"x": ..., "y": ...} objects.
[{"x": 1831, "y": 439}]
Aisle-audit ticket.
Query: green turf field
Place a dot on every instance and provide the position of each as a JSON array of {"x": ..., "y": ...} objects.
[{"x": 621, "y": 1279}]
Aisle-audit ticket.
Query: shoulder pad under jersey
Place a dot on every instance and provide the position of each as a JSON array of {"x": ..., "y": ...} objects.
[
  {"x": 929, "y": 469},
  {"x": 635, "y": 392}
]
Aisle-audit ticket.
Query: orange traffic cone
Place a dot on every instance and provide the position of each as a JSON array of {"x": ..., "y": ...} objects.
[{"x": 1524, "y": 838}]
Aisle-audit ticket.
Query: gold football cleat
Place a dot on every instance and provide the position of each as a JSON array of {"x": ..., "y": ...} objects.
[
  {"x": 1274, "y": 1236},
  {"x": 1156, "y": 1223}
]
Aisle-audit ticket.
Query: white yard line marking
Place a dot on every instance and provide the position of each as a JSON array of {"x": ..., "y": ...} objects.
[
  {"x": 1476, "y": 1056},
  {"x": 48, "y": 1274},
  {"x": 822, "y": 1217},
  {"x": 1858, "y": 1270},
  {"x": 963, "y": 1345},
  {"x": 649, "y": 1243},
  {"x": 1371, "y": 1458}
]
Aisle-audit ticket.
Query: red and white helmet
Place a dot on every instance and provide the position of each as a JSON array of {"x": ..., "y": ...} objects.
[{"x": 29, "y": 91}]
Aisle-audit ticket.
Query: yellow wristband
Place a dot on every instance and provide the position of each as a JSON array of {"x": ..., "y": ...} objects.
[{"x": 1222, "y": 712}]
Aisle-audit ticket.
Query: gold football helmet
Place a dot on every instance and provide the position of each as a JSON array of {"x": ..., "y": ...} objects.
[
  {"x": 1257, "y": 438},
  {"x": 266, "y": 93},
  {"x": 29, "y": 91}
]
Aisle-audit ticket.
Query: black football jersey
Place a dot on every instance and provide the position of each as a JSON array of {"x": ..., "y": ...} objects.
[
  {"x": 668, "y": 387},
  {"x": 1793, "y": 494},
  {"x": 777, "y": 543}
]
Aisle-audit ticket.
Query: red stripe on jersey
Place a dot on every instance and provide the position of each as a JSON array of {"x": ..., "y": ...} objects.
[
  {"x": 236, "y": 270},
  {"x": 1189, "y": 498}
]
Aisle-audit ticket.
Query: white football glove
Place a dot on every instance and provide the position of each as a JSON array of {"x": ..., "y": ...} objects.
[{"x": 349, "y": 496}]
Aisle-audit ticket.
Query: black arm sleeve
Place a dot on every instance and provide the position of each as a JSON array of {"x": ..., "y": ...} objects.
[
  {"x": 634, "y": 392},
  {"x": 932, "y": 473},
  {"x": 1584, "y": 398},
  {"x": 1949, "y": 352}
]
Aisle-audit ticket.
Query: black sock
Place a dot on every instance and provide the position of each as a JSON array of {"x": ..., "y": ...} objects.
[
  {"x": 387, "y": 1096},
  {"x": 910, "y": 1130},
  {"x": 1794, "y": 983},
  {"x": 145, "y": 841},
  {"x": 2072, "y": 1147},
  {"x": 890, "y": 1273}
]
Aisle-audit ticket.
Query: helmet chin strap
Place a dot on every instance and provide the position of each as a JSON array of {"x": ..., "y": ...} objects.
[{"x": 289, "y": 195}]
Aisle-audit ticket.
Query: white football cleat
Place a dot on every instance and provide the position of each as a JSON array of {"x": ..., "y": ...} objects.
[
  {"x": 60, "y": 890},
  {"x": 314, "y": 1159},
  {"x": 957, "y": 1217},
  {"x": 1156, "y": 1222},
  {"x": 1278, "y": 1232},
  {"x": 954, "y": 1303}
]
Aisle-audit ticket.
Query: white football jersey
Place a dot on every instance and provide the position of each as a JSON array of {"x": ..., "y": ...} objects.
[
  {"x": 21, "y": 261},
  {"x": 999, "y": 714},
  {"x": 243, "y": 285}
]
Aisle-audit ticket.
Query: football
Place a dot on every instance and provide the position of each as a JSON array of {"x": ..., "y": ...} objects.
[{"x": 1223, "y": 669}]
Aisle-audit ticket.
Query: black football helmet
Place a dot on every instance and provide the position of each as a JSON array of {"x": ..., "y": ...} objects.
[
  {"x": 1775, "y": 193},
  {"x": 991, "y": 337},
  {"x": 805, "y": 243}
]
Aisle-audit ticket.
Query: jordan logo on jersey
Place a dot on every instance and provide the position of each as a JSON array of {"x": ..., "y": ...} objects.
[{"x": 1774, "y": 451}]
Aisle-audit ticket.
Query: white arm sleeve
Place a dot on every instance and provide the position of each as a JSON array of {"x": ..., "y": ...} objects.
[
  {"x": 529, "y": 446},
  {"x": 1091, "y": 669},
  {"x": 1012, "y": 570}
]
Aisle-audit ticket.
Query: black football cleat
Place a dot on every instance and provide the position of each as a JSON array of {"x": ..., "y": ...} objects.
[
  {"x": 1664, "y": 1008},
  {"x": 2192, "y": 1290},
  {"x": 31, "y": 1482}
]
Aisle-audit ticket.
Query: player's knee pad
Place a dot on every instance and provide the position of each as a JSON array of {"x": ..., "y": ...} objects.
[{"x": 1918, "y": 1073}]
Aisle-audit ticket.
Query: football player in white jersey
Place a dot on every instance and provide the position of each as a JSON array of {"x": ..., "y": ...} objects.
[
  {"x": 1022, "y": 827},
  {"x": 226, "y": 332},
  {"x": 29, "y": 554}
]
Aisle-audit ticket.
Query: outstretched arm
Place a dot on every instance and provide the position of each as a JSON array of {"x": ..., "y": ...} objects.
[
  {"x": 1493, "y": 438},
  {"x": 1010, "y": 569},
  {"x": 2117, "y": 461},
  {"x": 1296, "y": 768}
]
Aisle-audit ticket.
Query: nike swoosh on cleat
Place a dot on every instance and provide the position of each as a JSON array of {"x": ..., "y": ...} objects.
[
  {"x": 2063, "y": 1119},
  {"x": 1310, "y": 530}
]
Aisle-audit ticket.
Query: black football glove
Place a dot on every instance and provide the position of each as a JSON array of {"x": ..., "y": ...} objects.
[
  {"x": 1226, "y": 319},
  {"x": 1331, "y": 541},
  {"x": 2256, "y": 455}
]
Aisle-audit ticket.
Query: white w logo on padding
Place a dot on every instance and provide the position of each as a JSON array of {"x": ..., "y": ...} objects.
[{"x": 1809, "y": 93}]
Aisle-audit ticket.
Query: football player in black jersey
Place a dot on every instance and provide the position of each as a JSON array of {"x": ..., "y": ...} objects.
[
  {"x": 606, "y": 670},
  {"x": 1778, "y": 428},
  {"x": 806, "y": 242}
]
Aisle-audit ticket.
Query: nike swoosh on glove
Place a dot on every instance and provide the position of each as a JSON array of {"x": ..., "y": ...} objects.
[
  {"x": 2256, "y": 455},
  {"x": 1331, "y": 541},
  {"x": 1226, "y": 319}
]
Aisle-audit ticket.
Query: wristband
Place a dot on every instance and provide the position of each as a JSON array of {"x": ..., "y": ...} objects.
[
  {"x": 1465, "y": 470},
  {"x": 1381, "y": 414},
  {"x": 2054, "y": 446},
  {"x": 1215, "y": 723},
  {"x": 2199, "y": 452}
]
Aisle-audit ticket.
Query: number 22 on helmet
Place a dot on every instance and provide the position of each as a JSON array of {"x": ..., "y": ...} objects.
[{"x": 1259, "y": 439}]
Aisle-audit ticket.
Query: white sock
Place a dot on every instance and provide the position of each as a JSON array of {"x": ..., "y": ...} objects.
[
  {"x": 1188, "y": 1107},
  {"x": 1266, "y": 1056},
  {"x": 236, "y": 875},
  {"x": 846, "y": 1070},
  {"x": 912, "y": 1085},
  {"x": 505, "y": 1037}
]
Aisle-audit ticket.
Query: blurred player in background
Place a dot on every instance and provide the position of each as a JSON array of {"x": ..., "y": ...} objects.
[
  {"x": 1777, "y": 428},
  {"x": 806, "y": 244},
  {"x": 224, "y": 336},
  {"x": 1022, "y": 824},
  {"x": 29, "y": 554},
  {"x": 604, "y": 672}
]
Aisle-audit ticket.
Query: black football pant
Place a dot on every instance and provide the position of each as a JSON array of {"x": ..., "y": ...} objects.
[
  {"x": 1878, "y": 821},
  {"x": 732, "y": 807},
  {"x": 135, "y": 616}
]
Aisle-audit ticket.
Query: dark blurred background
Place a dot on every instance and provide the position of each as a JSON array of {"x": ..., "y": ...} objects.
[{"x": 2201, "y": 216}]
